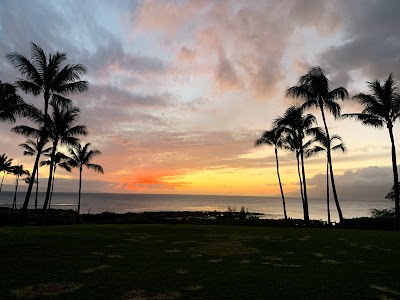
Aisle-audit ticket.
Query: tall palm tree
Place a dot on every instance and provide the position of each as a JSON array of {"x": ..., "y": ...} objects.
[
  {"x": 5, "y": 165},
  {"x": 323, "y": 143},
  {"x": 63, "y": 130},
  {"x": 382, "y": 108},
  {"x": 18, "y": 171},
  {"x": 313, "y": 87},
  {"x": 295, "y": 122},
  {"x": 11, "y": 104},
  {"x": 31, "y": 148},
  {"x": 80, "y": 157},
  {"x": 61, "y": 161},
  {"x": 50, "y": 76},
  {"x": 274, "y": 138}
]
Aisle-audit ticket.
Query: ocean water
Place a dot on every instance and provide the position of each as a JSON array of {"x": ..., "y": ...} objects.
[{"x": 271, "y": 207}]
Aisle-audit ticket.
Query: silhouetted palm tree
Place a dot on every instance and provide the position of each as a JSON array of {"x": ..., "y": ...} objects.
[
  {"x": 62, "y": 130},
  {"x": 323, "y": 143},
  {"x": 5, "y": 165},
  {"x": 11, "y": 104},
  {"x": 61, "y": 161},
  {"x": 314, "y": 88},
  {"x": 382, "y": 107},
  {"x": 274, "y": 138},
  {"x": 79, "y": 157},
  {"x": 296, "y": 123},
  {"x": 18, "y": 171},
  {"x": 31, "y": 148},
  {"x": 49, "y": 75}
]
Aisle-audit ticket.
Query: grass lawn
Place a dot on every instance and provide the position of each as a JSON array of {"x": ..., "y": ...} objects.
[{"x": 197, "y": 262}]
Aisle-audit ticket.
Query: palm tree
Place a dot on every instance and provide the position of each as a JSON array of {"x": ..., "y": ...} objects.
[
  {"x": 18, "y": 171},
  {"x": 62, "y": 130},
  {"x": 11, "y": 104},
  {"x": 47, "y": 75},
  {"x": 61, "y": 161},
  {"x": 5, "y": 165},
  {"x": 274, "y": 138},
  {"x": 314, "y": 88},
  {"x": 296, "y": 123},
  {"x": 290, "y": 143},
  {"x": 31, "y": 148},
  {"x": 382, "y": 108},
  {"x": 323, "y": 143},
  {"x": 79, "y": 157}
]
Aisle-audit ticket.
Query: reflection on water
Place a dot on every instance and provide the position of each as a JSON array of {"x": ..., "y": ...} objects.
[{"x": 270, "y": 206}]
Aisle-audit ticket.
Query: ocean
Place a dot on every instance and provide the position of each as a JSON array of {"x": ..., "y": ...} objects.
[{"x": 271, "y": 207}]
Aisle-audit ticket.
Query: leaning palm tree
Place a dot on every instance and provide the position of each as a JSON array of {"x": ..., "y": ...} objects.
[
  {"x": 296, "y": 123},
  {"x": 314, "y": 88},
  {"x": 18, "y": 171},
  {"x": 50, "y": 76},
  {"x": 274, "y": 138},
  {"x": 80, "y": 157},
  {"x": 60, "y": 161},
  {"x": 31, "y": 148},
  {"x": 11, "y": 104},
  {"x": 382, "y": 108},
  {"x": 63, "y": 130},
  {"x": 323, "y": 143},
  {"x": 5, "y": 165}
]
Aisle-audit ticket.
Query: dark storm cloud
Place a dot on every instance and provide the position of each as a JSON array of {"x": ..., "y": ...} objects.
[{"x": 372, "y": 40}]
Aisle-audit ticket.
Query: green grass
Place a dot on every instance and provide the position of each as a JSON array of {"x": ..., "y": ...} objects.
[{"x": 197, "y": 262}]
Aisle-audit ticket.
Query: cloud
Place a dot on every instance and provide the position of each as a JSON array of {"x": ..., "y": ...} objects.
[
  {"x": 371, "y": 183},
  {"x": 372, "y": 40}
]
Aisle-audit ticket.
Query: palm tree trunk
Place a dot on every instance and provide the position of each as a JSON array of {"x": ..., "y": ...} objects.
[
  {"x": 46, "y": 200},
  {"x": 328, "y": 151},
  {"x": 395, "y": 177},
  {"x": 37, "y": 187},
  {"x": 306, "y": 213},
  {"x": 52, "y": 186},
  {"x": 15, "y": 195},
  {"x": 22, "y": 217},
  {"x": 80, "y": 188},
  {"x": 334, "y": 193},
  {"x": 1, "y": 185},
  {"x": 327, "y": 193},
  {"x": 280, "y": 183},
  {"x": 301, "y": 181}
]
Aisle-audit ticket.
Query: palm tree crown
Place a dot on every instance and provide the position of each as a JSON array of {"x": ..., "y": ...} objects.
[
  {"x": 11, "y": 104},
  {"x": 382, "y": 107},
  {"x": 82, "y": 156}
]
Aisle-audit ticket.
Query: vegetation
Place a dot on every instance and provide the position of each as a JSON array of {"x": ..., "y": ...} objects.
[
  {"x": 325, "y": 144},
  {"x": 46, "y": 74},
  {"x": 274, "y": 138},
  {"x": 295, "y": 123},
  {"x": 80, "y": 157},
  {"x": 314, "y": 89},
  {"x": 198, "y": 262},
  {"x": 382, "y": 108}
]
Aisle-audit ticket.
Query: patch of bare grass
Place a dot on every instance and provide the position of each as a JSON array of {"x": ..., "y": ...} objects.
[
  {"x": 45, "y": 289},
  {"x": 224, "y": 249},
  {"x": 95, "y": 269},
  {"x": 146, "y": 295}
]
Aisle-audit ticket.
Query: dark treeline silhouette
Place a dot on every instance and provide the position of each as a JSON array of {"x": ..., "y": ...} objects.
[{"x": 49, "y": 76}]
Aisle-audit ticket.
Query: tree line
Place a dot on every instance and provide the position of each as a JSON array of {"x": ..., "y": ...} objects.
[
  {"x": 294, "y": 131},
  {"x": 49, "y": 76}
]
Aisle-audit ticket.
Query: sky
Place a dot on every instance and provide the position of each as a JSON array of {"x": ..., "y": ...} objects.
[{"x": 180, "y": 90}]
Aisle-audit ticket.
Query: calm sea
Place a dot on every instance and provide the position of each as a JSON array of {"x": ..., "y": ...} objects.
[{"x": 270, "y": 206}]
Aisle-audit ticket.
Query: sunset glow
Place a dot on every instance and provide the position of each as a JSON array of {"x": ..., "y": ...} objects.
[{"x": 180, "y": 90}]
